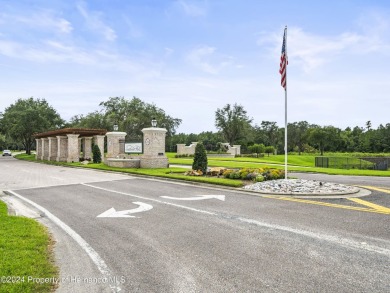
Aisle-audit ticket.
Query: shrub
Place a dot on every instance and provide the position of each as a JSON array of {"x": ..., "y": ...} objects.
[
  {"x": 244, "y": 175},
  {"x": 96, "y": 154},
  {"x": 227, "y": 173},
  {"x": 259, "y": 178},
  {"x": 200, "y": 158}
]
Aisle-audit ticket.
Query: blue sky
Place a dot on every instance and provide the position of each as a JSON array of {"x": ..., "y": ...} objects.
[{"x": 192, "y": 57}]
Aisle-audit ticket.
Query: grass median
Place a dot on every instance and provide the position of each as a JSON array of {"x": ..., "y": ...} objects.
[
  {"x": 26, "y": 257},
  {"x": 169, "y": 173}
]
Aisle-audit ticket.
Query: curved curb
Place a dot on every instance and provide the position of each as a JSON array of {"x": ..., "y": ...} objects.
[{"x": 358, "y": 192}]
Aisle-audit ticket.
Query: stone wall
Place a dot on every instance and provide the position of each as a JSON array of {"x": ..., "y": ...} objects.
[{"x": 182, "y": 149}]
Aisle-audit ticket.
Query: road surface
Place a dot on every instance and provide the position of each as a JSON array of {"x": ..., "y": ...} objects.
[{"x": 119, "y": 233}]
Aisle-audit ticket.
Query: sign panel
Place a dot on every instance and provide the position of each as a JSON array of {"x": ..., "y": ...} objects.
[{"x": 133, "y": 147}]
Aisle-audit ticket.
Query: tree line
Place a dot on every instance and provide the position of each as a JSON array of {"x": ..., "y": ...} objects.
[
  {"x": 22, "y": 119},
  {"x": 236, "y": 127}
]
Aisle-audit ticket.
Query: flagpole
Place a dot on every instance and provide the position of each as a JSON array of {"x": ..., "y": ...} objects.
[{"x": 285, "y": 113}]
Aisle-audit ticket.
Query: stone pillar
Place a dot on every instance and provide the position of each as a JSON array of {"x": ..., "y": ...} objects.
[
  {"x": 154, "y": 148},
  {"x": 87, "y": 148},
  {"x": 238, "y": 149},
  {"x": 73, "y": 148},
  {"x": 180, "y": 148},
  {"x": 38, "y": 149},
  {"x": 46, "y": 149},
  {"x": 42, "y": 152},
  {"x": 62, "y": 148},
  {"x": 53, "y": 148},
  {"x": 113, "y": 146},
  {"x": 99, "y": 141},
  {"x": 80, "y": 144}
]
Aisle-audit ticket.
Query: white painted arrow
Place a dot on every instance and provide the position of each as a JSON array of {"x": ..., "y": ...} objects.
[
  {"x": 199, "y": 197},
  {"x": 112, "y": 213}
]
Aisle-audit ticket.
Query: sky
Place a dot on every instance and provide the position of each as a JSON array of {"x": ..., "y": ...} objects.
[{"x": 192, "y": 57}]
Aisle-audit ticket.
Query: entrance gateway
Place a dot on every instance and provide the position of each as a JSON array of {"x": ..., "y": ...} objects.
[{"x": 65, "y": 145}]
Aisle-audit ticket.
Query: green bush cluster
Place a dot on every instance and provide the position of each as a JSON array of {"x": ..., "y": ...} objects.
[{"x": 258, "y": 175}]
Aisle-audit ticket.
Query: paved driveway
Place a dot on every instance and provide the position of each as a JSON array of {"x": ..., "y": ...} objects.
[{"x": 146, "y": 235}]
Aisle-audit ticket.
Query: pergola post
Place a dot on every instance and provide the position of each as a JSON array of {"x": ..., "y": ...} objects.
[
  {"x": 62, "y": 148},
  {"x": 38, "y": 149},
  {"x": 73, "y": 148},
  {"x": 87, "y": 147},
  {"x": 53, "y": 149}
]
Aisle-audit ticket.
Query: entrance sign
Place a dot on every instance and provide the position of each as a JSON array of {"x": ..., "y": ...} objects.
[{"x": 133, "y": 147}]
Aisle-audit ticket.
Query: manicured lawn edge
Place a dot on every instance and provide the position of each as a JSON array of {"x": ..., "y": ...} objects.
[
  {"x": 167, "y": 173},
  {"x": 26, "y": 251}
]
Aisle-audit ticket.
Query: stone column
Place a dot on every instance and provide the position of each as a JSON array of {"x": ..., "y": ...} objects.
[
  {"x": 113, "y": 147},
  {"x": 80, "y": 144},
  {"x": 73, "y": 148},
  {"x": 87, "y": 148},
  {"x": 46, "y": 149},
  {"x": 42, "y": 152},
  {"x": 62, "y": 148},
  {"x": 99, "y": 141},
  {"x": 180, "y": 148},
  {"x": 53, "y": 148},
  {"x": 154, "y": 148},
  {"x": 38, "y": 149},
  {"x": 238, "y": 147}
]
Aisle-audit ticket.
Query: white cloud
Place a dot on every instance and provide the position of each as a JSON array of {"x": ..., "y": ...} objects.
[
  {"x": 43, "y": 19},
  {"x": 310, "y": 51},
  {"x": 193, "y": 9},
  {"x": 133, "y": 30},
  {"x": 95, "y": 23},
  {"x": 168, "y": 52},
  {"x": 206, "y": 59}
]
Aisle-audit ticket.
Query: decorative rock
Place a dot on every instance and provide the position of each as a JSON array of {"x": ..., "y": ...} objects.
[{"x": 301, "y": 187}]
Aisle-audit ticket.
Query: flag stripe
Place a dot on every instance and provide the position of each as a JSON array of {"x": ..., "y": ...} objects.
[{"x": 283, "y": 63}]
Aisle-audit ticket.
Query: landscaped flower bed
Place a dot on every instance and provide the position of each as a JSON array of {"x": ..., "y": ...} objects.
[{"x": 257, "y": 175}]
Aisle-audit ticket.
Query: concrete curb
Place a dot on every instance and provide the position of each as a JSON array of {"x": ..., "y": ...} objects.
[{"x": 360, "y": 192}]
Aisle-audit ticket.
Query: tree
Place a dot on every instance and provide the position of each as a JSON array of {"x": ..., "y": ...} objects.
[
  {"x": 200, "y": 158},
  {"x": 269, "y": 150},
  {"x": 233, "y": 122},
  {"x": 271, "y": 132},
  {"x": 94, "y": 120},
  {"x": 257, "y": 148},
  {"x": 96, "y": 154},
  {"x": 298, "y": 134},
  {"x": 28, "y": 116},
  {"x": 134, "y": 115},
  {"x": 326, "y": 138}
]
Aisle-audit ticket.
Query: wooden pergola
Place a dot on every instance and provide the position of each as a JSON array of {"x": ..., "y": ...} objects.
[{"x": 65, "y": 144}]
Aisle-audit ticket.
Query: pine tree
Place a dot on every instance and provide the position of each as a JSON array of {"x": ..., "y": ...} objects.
[
  {"x": 96, "y": 154},
  {"x": 200, "y": 158}
]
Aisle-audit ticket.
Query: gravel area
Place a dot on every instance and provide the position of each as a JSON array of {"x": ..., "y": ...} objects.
[{"x": 301, "y": 187}]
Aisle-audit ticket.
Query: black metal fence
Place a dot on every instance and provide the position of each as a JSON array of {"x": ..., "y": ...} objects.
[{"x": 368, "y": 163}]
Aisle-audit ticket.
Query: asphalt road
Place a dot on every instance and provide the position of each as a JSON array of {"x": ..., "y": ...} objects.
[{"x": 172, "y": 237}]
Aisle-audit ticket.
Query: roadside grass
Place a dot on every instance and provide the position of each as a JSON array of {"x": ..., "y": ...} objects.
[
  {"x": 297, "y": 163},
  {"x": 170, "y": 173},
  {"x": 25, "y": 251}
]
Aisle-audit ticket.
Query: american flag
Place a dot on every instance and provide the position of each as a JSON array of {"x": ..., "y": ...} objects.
[{"x": 283, "y": 62}]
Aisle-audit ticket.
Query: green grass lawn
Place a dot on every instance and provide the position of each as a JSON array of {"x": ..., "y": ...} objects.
[
  {"x": 25, "y": 252},
  {"x": 297, "y": 163}
]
